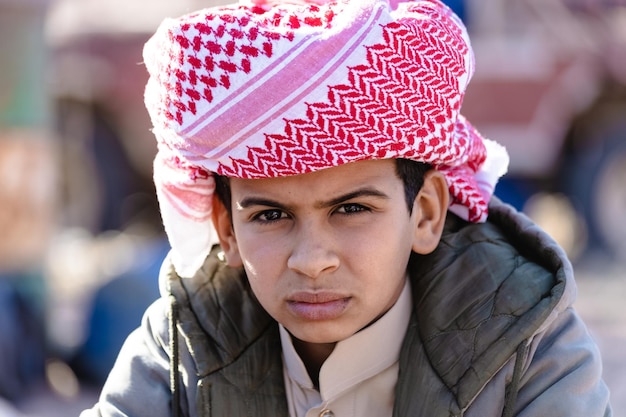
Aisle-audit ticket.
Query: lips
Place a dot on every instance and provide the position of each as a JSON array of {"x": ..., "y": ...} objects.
[{"x": 317, "y": 306}]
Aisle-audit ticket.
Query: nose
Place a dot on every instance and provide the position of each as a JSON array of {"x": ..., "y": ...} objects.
[{"x": 313, "y": 252}]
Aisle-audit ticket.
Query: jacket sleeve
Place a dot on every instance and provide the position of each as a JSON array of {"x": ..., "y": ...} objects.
[
  {"x": 138, "y": 384},
  {"x": 564, "y": 373}
]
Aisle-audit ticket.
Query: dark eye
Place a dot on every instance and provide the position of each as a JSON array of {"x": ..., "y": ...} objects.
[
  {"x": 269, "y": 216},
  {"x": 352, "y": 208}
]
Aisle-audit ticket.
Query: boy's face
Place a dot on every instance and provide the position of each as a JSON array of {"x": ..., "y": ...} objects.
[{"x": 326, "y": 252}]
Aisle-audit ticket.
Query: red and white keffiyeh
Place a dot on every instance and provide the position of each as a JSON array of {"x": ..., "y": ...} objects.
[{"x": 268, "y": 88}]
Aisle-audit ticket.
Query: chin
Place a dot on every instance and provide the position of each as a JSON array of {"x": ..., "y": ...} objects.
[{"x": 320, "y": 336}]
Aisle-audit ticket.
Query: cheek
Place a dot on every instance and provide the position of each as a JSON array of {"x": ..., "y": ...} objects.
[
  {"x": 262, "y": 284},
  {"x": 262, "y": 262},
  {"x": 380, "y": 242},
  {"x": 384, "y": 253}
]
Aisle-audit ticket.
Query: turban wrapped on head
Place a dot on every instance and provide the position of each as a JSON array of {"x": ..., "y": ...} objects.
[{"x": 266, "y": 88}]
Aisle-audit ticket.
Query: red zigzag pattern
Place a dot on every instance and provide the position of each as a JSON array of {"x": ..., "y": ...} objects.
[{"x": 404, "y": 101}]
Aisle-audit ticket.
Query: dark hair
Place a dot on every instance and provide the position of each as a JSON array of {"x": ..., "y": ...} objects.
[
  {"x": 412, "y": 175},
  {"x": 222, "y": 191},
  {"x": 410, "y": 172}
]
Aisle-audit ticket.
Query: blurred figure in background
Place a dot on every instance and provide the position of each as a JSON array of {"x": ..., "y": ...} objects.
[
  {"x": 27, "y": 197},
  {"x": 75, "y": 215}
]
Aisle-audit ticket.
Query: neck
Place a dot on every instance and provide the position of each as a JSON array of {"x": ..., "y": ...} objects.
[{"x": 313, "y": 356}]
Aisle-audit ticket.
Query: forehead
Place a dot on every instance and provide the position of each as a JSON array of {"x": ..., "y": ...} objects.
[{"x": 372, "y": 173}]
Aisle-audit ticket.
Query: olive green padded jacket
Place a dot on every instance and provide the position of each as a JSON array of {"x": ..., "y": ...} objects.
[{"x": 492, "y": 333}]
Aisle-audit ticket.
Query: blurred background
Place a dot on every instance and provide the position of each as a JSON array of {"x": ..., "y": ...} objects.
[{"x": 80, "y": 234}]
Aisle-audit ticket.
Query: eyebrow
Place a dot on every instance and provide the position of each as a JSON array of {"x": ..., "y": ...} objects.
[{"x": 363, "y": 192}]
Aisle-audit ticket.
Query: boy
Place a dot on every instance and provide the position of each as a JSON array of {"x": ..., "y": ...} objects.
[{"x": 332, "y": 251}]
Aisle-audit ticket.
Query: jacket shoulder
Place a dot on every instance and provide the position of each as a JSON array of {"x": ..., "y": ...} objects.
[
  {"x": 483, "y": 292},
  {"x": 218, "y": 314}
]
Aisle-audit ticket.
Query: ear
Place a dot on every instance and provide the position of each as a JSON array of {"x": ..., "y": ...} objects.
[
  {"x": 430, "y": 209},
  {"x": 222, "y": 222}
]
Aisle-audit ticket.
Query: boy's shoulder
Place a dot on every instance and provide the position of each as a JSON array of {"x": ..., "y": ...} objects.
[
  {"x": 485, "y": 290},
  {"x": 508, "y": 259},
  {"x": 217, "y": 310}
]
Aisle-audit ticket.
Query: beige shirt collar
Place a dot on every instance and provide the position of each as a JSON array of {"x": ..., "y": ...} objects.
[{"x": 360, "y": 375}]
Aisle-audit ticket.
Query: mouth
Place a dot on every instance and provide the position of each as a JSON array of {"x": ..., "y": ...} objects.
[{"x": 317, "y": 306}]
